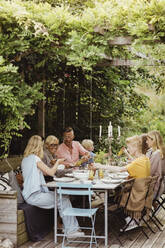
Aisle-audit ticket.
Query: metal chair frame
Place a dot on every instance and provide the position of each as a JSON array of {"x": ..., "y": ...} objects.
[
  {"x": 74, "y": 189},
  {"x": 125, "y": 187},
  {"x": 160, "y": 201}
]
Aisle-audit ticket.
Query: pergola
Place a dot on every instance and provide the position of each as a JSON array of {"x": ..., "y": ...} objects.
[{"x": 106, "y": 61}]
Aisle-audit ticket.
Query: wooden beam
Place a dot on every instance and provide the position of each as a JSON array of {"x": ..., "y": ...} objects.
[
  {"x": 121, "y": 40},
  {"x": 127, "y": 62},
  {"x": 126, "y": 40}
]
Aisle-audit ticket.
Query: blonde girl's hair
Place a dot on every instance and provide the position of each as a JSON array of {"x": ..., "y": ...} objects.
[
  {"x": 135, "y": 140},
  {"x": 157, "y": 142},
  {"x": 86, "y": 143},
  {"x": 145, "y": 146},
  {"x": 34, "y": 146},
  {"x": 51, "y": 139}
]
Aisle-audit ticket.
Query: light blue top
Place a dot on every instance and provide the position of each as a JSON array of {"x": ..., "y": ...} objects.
[
  {"x": 33, "y": 176},
  {"x": 91, "y": 160}
]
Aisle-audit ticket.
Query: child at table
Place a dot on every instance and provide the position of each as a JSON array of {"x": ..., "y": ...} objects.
[{"x": 88, "y": 144}]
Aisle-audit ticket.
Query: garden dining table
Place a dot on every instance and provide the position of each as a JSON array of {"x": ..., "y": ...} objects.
[{"x": 98, "y": 185}]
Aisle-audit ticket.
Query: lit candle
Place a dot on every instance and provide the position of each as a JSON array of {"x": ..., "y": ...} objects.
[
  {"x": 119, "y": 131},
  {"x": 100, "y": 131}
]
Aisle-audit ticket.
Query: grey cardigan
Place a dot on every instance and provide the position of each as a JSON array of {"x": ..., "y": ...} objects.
[
  {"x": 47, "y": 159},
  {"x": 158, "y": 169}
]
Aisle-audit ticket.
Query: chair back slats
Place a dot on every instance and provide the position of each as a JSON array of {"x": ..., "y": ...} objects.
[
  {"x": 141, "y": 196},
  {"x": 125, "y": 192},
  {"x": 73, "y": 185},
  {"x": 158, "y": 203},
  {"x": 74, "y": 192},
  {"x": 74, "y": 189}
]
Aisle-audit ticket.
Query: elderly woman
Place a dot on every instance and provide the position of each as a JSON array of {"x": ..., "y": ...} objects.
[
  {"x": 157, "y": 159},
  {"x": 50, "y": 147},
  {"x": 34, "y": 190}
]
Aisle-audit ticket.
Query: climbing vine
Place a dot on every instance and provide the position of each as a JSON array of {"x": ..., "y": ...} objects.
[{"x": 62, "y": 45}]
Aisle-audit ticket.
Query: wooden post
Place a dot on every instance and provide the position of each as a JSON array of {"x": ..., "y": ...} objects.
[
  {"x": 91, "y": 109},
  {"x": 41, "y": 115}
]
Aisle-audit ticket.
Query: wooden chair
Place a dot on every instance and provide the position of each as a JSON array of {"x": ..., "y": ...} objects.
[
  {"x": 115, "y": 210},
  {"x": 139, "y": 204},
  {"x": 158, "y": 203}
]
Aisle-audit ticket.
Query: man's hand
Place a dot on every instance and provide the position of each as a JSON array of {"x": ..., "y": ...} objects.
[{"x": 69, "y": 165}]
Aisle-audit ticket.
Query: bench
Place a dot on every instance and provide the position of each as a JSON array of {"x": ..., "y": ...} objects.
[
  {"x": 12, "y": 221},
  {"x": 20, "y": 221}
]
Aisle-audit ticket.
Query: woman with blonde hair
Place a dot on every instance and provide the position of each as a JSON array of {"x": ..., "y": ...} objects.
[
  {"x": 34, "y": 191},
  {"x": 139, "y": 167},
  {"x": 157, "y": 159}
]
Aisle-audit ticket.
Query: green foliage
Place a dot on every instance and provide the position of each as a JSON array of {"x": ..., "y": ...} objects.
[
  {"x": 101, "y": 157},
  {"x": 42, "y": 42},
  {"x": 16, "y": 100}
]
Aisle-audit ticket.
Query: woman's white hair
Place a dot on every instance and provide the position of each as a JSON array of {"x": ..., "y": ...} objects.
[{"x": 51, "y": 139}]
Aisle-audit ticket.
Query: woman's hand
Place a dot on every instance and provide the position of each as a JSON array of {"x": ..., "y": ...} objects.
[
  {"x": 53, "y": 161},
  {"x": 49, "y": 171}
]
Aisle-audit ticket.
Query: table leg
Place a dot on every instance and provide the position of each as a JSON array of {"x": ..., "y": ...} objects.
[
  {"x": 84, "y": 206},
  {"x": 106, "y": 217},
  {"x": 55, "y": 215}
]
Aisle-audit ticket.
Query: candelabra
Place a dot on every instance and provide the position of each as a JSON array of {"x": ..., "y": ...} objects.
[{"x": 108, "y": 141}]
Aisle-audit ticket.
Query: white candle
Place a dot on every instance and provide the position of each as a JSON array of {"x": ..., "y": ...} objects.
[
  {"x": 119, "y": 131},
  {"x": 108, "y": 131},
  {"x": 111, "y": 128},
  {"x": 100, "y": 131}
]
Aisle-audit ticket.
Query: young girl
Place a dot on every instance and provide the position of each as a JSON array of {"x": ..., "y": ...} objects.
[{"x": 34, "y": 191}]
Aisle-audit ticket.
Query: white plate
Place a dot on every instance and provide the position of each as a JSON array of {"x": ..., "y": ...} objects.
[
  {"x": 80, "y": 174},
  {"x": 64, "y": 179},
  {"x": 111, "y": 180},
  {"x": 61, "y": 167},
  {"x": 69, "y": 175},
  {"x": 122, "y": 175},
  {"x": 118, "y": 175}
]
